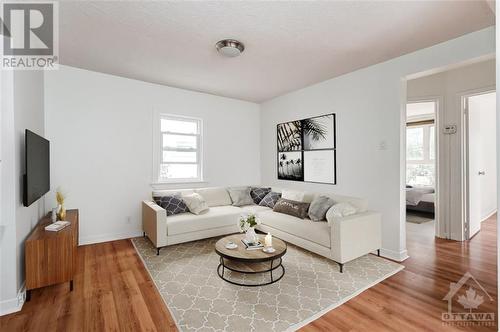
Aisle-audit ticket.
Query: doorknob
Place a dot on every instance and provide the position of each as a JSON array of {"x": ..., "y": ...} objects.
[{"x": 481, "y": 173}]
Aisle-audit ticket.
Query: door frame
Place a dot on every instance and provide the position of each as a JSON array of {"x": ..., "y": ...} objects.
[
  {"x": 464, "y": 142},
  {"x": 439, "y": 101}
]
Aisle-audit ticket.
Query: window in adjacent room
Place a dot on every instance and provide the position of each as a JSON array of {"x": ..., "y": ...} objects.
[
  {"x": 420, "y": 144},
  {"x": 180, "y": 149}
]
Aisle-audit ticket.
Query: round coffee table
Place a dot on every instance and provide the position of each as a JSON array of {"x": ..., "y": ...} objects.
[{"x": 246, "y": 261}]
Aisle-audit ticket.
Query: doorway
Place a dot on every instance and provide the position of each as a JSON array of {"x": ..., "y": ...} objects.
[
  {"x": 480, "y": 167},
  {"x": 421, "y": 169}
]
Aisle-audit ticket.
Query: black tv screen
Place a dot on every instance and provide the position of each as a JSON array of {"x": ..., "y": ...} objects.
[{"x": 37, "y": 176}]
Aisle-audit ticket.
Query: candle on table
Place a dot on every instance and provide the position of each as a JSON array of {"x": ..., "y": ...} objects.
[{"x": 268, "y": 240}]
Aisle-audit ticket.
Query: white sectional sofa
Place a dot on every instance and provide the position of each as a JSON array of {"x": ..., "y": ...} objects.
[{"x": 340, "y": 239}]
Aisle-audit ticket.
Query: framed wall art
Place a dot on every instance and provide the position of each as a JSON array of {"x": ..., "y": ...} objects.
[{"x": 307, "y": 150}]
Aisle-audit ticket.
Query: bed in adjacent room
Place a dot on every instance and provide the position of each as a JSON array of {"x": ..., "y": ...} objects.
[{"x": 420, "y": 199}]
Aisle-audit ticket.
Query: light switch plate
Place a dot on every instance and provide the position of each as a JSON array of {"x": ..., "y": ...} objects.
[{"x": 450, "y": 129}]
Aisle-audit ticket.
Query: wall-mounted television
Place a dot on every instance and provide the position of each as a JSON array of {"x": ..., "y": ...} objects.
[{"x": 37, "y": 163}]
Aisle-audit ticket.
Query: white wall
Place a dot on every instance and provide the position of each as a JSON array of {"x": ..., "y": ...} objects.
[
  {"x": 8, "y": 264},
  {"x": 28, "y": 114},
  {"x": 100, "y": 128},
  {"x": 483, "y": 108},
  {"x": 22, "y": 108},
  {"x": 449, "y": 87},
  {"x": 370, "y": 128}
]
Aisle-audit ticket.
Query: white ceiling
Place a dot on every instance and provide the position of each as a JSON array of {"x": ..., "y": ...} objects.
[{"x": 289, "y": 45}]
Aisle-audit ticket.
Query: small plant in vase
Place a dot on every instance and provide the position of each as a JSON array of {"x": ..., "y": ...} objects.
[
  {"x": 247, "y": 223},
  {"x": 61, "y": 210}
]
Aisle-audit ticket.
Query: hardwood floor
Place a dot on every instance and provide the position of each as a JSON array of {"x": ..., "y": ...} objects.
[
  {"x": 113, "y": 292},
  {"x": 412, "y": 300}
]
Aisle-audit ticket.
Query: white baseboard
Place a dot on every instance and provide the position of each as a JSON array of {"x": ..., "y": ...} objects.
[
  {"x": 14, "y": 305},
  {"x": 108, "y": 237},
  {"x": 489, "y": 215},
  {"x": 397, "y": 256}
]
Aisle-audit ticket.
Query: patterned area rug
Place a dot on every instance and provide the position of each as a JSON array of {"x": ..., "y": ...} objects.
[
  {"x": 199, "y": 300},
  {"x": 418, "y": 218}
]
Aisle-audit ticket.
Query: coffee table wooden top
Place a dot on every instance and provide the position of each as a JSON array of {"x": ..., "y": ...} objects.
[{"x": 243, "y": 255}]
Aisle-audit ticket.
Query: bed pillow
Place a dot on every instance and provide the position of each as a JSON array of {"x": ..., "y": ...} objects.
[
  {"x": 318, "y": 208},
  {"x": 240, "y": 196},
  {"x": 195, "y": 203},
  {"x": 173, "y": 204},
  {"x": 270, "y": 199},
  {"x": 259, "y": 193},
  {"x": 292, "y": 208}
]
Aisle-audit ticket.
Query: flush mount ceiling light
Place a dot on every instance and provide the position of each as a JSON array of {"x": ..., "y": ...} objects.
[{"x": 230, "y": 47}]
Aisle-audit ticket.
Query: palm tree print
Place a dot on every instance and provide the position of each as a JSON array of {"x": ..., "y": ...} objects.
[
  {"x": 290, "y": 136},
  {"x": 290, "y": 133},
  {"x": 290, "y": 166},
  {"x": 296, "y": 139}
]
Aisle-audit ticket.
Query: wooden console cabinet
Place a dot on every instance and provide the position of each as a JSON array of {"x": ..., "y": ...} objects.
[{"x": 51, "y": 257}]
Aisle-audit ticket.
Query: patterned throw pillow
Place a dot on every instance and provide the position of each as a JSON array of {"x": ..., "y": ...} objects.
[
  {"x": 270, "y": 199},
  {"x": 292, "y": 208},
  {"x": 172, "y": 204},
  {"x": 259, "y": 193}
]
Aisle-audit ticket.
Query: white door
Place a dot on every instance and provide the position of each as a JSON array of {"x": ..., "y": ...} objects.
[
  {"x": 481, "y": 160},
  {"x": 474, "y": 169}
]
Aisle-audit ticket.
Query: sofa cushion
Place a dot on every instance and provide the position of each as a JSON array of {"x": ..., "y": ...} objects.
[
  {"x": 259, "y": 193},
  {"x": 173, "y": 204},
  {"x": 215, "y": 196},
  {"x": 293, "y": 195},
  {"x": 317, "y": 232},
  {"x": 307, "y": 198},
  {"x": 293, "y": 208},
  {"x": 255, "y": 209},
  {"x": 319, "y": 206},
  {"x": 240, "y": 196},
  {"x": 195, "y": 203},
  {"x": 215, "y": 217},
  {"x": 340, "y": 210},
  {"x": 360, "y": 204},
  {"x": 171, "y": 192},
  {"x": 270, "y": 199}
]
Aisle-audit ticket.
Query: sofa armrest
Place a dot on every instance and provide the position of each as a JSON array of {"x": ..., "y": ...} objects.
[
  {"x": 355, "y": 235},
  {"x": 154, "y": 223}
]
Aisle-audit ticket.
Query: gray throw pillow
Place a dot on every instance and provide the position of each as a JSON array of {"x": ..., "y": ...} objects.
[
  {"x": 293, "y": 208},
  {"x": 259, "y": 193},
  {"x": 240, "y": 196},
  {"x": 270, "y": 199},
  {"x": 319, "y": 206},
  {"x": 172, "y": 204}
]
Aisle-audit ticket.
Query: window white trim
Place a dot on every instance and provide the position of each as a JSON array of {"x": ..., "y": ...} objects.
[
  {"x": 426, "y": 144},
  {"x": 158, "y": 148}
]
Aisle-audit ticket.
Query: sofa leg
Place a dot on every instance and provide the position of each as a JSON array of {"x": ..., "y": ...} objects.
[
  {"x": 378, "y": 252},
  {"x": 143, "y": 234},
  {"x": 341, "y": 268},
  {"x": 157, "y": 251}
]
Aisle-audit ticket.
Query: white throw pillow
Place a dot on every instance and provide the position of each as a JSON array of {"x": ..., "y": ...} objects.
[
  {"x": 195, "y": 203},
  {"x": 293, "y": 195},
  {"x": 340, "y": 210}
]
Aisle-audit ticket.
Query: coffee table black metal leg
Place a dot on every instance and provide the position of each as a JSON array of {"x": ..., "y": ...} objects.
[
  {"x": 221, "y": 269},
  {"x": 222, "y": 263}
]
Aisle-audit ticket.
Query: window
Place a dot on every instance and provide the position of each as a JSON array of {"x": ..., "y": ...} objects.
[
  {"x": 420, "y": 143},
  {"x": 180, "y": 149},
  {"x": 420, "y": 155}
]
